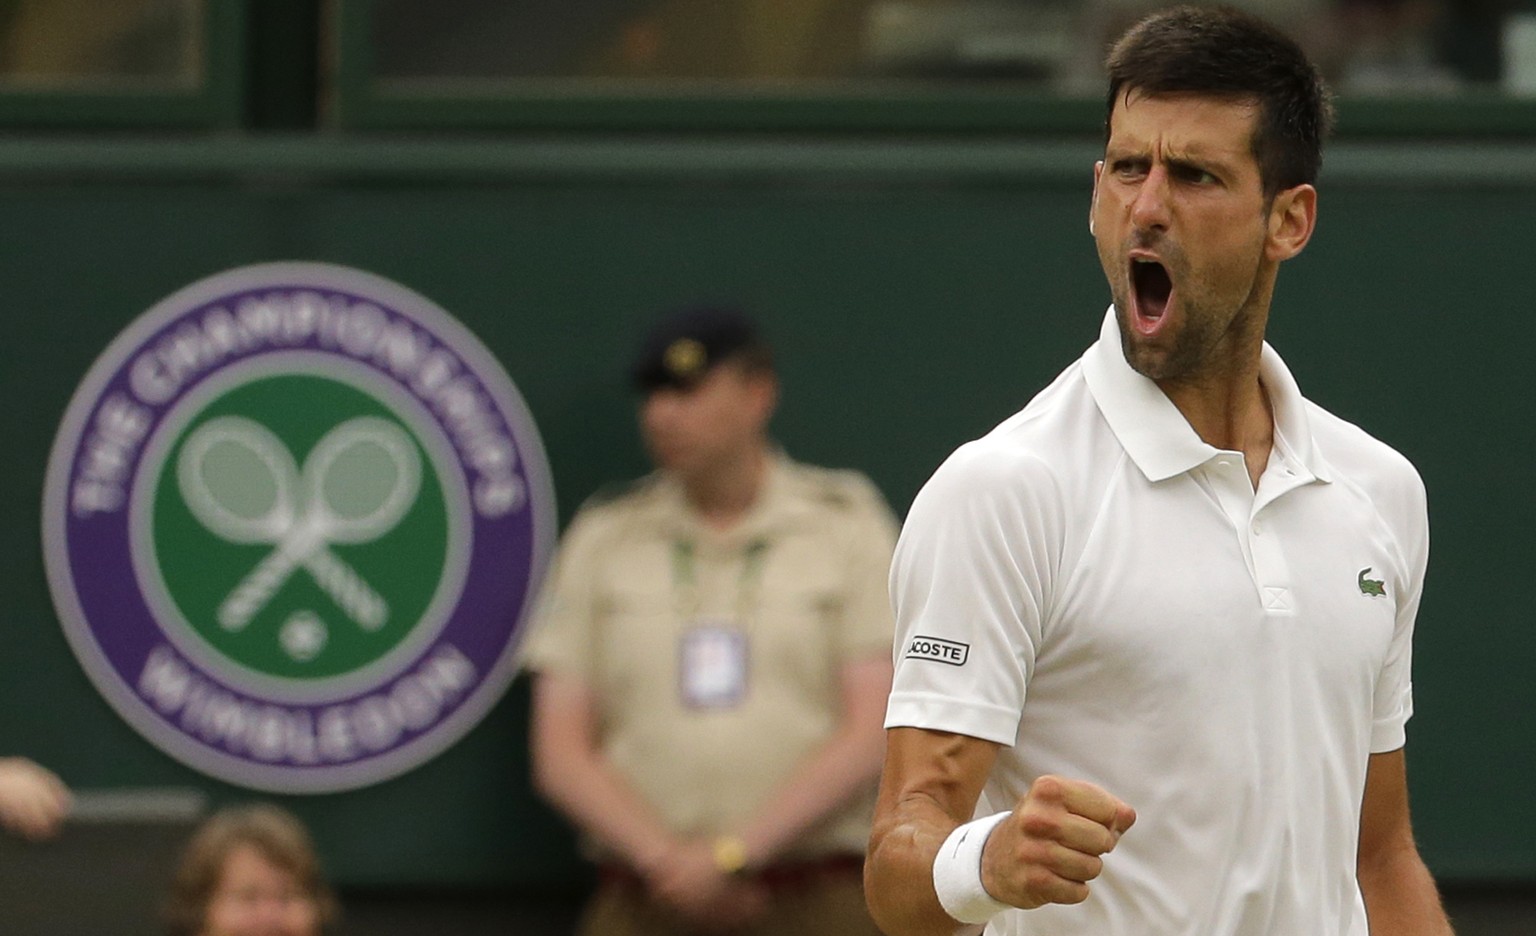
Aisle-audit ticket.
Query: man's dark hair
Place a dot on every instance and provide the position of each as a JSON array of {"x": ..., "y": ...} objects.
[{"x": 1225, "y": 53}]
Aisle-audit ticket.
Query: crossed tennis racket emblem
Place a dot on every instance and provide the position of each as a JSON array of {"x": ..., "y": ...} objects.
[{"x": 242, "y": 483}]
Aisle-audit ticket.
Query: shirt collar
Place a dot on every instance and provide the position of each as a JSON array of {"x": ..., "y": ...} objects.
[{"x": 1156, "y": 435}]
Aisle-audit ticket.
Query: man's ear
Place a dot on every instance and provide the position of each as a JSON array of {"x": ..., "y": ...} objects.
[
  {"x": 1292, "y": 219},
  {"x": 766, "y": 388},
  {"x": 1093, "y": 204}
]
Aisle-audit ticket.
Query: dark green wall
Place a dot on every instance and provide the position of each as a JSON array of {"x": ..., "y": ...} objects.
[{"x": 917, "y": 296}]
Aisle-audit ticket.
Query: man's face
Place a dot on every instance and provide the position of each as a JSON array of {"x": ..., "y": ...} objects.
[
  {"x": 1183, "y": 232},
  {"x": 692, "y": 431},
  {"x": 257, "y": 898}
]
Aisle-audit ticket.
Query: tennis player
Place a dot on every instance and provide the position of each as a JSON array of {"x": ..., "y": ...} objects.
[{"x": 1154, "y": 631}]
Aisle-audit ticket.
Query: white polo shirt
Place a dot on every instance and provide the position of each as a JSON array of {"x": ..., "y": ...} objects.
[{"x": 1105, "y": 595}]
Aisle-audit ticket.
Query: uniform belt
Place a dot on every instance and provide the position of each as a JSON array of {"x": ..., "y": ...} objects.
[{"x": 778, "y": 877}]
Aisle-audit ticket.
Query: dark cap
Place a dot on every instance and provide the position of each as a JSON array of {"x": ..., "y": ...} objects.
[{"x": 683, "y": 346}]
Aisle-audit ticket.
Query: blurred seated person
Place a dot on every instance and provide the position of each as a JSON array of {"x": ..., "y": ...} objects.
[
  {"x": 1391, "y": 47},
  {"x": 250, "y": 871},
  {"x": 1371, "y": 47},
  {"x": 761, "y": 40},
  {"x": 700, "y": 40},
  {"x": 54, "y": 42},
  {"x": 33, "y": 801},
  {"x": 1311, "y": 22}
]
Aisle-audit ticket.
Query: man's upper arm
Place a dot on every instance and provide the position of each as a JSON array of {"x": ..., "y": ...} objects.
[
  {"x": 562, "y": 628},
  {"x": 1384, "y": 821},
  {"x": 866, "y": 605},
  {"x": 936, "y": 768},
  {"x": 1399, "y": 892},
  {"x": 564, "y": 710},
  {"x": 865, "y": 684}
]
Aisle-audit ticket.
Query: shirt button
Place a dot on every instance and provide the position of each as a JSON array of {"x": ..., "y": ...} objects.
[{"x": 1258, "y": 528}]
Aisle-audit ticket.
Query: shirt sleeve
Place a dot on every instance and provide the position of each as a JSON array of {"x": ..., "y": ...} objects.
[
  {"x": 970, "y": 585},
  {"x": 564, "y": 624},
  {"x": 1393, "y": 702}
]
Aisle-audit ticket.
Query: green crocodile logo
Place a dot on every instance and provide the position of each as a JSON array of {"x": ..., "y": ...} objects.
[{"x": 1371, "y": 586}]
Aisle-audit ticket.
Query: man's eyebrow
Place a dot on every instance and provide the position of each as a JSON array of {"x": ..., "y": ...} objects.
[
  {"x": 1197, "y": 163},
  {"x": 1213, "y": 162},
  {"x": 1127, "y": 154}
]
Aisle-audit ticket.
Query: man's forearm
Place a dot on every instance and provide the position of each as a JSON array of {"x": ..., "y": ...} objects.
[
  {"x": 571, "y": 770},
  {"x": 1400, "y": 895},
  {"x": 898, "y": 875},
  {"x": 597, "y": 800},
  {"x": 845, "y": 766}
]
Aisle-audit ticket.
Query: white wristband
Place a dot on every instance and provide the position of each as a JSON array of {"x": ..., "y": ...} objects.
[{"x": 957, "y": 872}]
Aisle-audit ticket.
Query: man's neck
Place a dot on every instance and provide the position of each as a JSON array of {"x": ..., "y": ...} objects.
[
  {"x": 724, "y": 494},
  {"x": 1229, "y": 410}
]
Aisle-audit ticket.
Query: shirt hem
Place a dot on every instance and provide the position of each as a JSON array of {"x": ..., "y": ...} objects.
[{"x": 934, "y": 712}]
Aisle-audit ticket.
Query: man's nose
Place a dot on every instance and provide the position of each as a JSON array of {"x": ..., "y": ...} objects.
[{"x": 1149, "y": 210}]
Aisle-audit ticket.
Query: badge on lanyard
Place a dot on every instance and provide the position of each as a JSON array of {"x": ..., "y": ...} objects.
[
  {"x": 713, "y": 653},
  {"x": 712, "y": 669}
]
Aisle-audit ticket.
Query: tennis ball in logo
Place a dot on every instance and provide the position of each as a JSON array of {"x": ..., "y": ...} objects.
[{"x": 299, "y": 527}]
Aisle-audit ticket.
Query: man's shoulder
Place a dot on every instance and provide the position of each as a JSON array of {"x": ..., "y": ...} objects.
[
  {"x": 1357, "y": 453},
  {"x": 1360, "y": 459},
  {"x": 619, "y": 501},
  {"x": 836, "y": 489},
  {"x": 1054, "y": 434},
  {"x": 1014, "y": 473}
]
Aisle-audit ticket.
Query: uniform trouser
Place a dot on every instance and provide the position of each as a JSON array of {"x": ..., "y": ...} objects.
[{"x": 829, "y": 905}]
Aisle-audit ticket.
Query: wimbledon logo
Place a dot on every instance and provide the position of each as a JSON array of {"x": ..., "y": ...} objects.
[{"x": 293, "y": 519}]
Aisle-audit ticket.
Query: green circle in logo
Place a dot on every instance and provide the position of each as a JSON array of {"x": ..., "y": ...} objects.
[{"x": 300, "y": 529}]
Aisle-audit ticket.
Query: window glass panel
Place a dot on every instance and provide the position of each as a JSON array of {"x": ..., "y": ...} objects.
[
  {"x": 1372, "y": 47},
  {"x": 96, "y": 45}
]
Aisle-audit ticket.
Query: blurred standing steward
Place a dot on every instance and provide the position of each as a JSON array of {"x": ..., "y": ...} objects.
[{"x": 712, "y": 656}]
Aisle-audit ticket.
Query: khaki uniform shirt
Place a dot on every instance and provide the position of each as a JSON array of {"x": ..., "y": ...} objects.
[{"x": 800, "y": 583}]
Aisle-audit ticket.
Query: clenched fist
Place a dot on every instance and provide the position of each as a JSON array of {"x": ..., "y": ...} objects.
[{"x": 1052, "y": 845}]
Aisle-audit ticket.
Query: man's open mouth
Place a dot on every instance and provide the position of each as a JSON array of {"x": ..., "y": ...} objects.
[{"x": 1153, "y": 289}]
